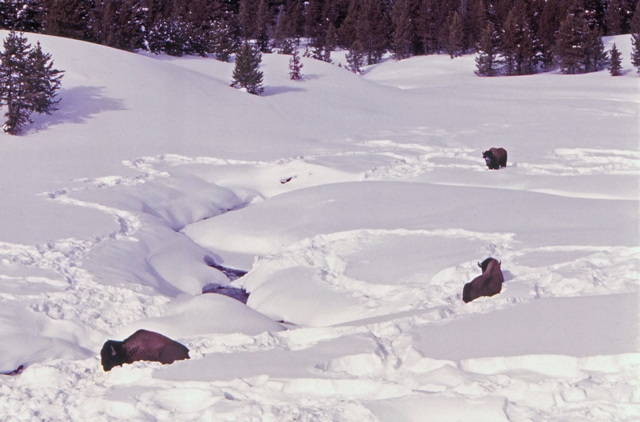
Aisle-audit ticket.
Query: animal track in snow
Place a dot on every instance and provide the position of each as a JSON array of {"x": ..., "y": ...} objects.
[{"x": 587, "y": 161}]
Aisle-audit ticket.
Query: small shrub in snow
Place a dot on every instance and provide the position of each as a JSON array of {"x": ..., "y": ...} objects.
[
  {"x": 28, "y": 82},
  {"x": 294, "y": 66}
]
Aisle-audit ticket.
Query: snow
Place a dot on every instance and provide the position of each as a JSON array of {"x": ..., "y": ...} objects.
[{"x": 359, "y": 205}]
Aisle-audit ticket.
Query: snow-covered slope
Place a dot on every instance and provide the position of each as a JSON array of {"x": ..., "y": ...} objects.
[{"x": 360, "y": 206}]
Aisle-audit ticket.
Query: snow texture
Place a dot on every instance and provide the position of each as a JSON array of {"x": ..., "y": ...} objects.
[{"x": 359, "y": 207}]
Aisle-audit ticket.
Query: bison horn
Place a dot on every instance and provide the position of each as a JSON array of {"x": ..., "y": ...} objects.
[{"x": 479, "y": 265}]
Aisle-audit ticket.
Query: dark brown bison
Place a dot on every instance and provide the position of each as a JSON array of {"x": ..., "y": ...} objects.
[
  {"x": 487, "y": 284},
  {"x": 142, "y": 345},
  {"x": 495, "y": 158}
]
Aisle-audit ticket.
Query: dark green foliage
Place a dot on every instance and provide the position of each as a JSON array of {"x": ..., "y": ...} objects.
[
  {"x": 28, "y": 82},
  {"x": 295, "y": 65},
  {"x": 288, "y": 46},
  {"x": 635, "y": 51},
  {"x": 403, "y": 29},
  {"x": 615, "y": 62},
  {"x": 355, "y": 57},
  {"x": 119, "y": 23},
  {"x": 595, "y": 57},
  {"x": 518, "y": 42},
  {"x": 570, "y": 43},
  {"x": 67, "y": 18},
  {"x": 367, "y": 23},
  {"x": 614, "y": 17},
  {"x": 20, "y": 15},
  {"x": 263, "y": 25},
  {"x": 455, "y": 39},
  {"x": 487, "y": 63},
  {"x": 247, "y": 73},
  {"x": 552, "y": 14},
  {"x": 330, "y": 42}
]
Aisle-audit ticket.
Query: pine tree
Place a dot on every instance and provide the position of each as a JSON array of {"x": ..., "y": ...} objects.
[
  {"x": 28, "y": 82},
  {"x": 403, "y": 29},
  {"x": 615, "y": 63},
  {"x": 550, "y": 18},
  {"x": 635, "y": 51},
  {"x": 294, "y": 66},
  {"x": 247, "y": 73},
  {"x": 372, "y": 29},
  {"x": 456, "y": 35},
  {"x": 288, "y": 46},
  {"x": 67, "y": 18},
  {"x": 486, "y": 61},
  {"x": 570, "y": 43},
  {"x": 613, "y": 17},
  {"x": 330, "y": 42},
  {"x": 355, "y": 57},
  {"x": 262, "y": 27},
  {"x": 510, "y": 42},
  {"x": 595, "y": 57}
]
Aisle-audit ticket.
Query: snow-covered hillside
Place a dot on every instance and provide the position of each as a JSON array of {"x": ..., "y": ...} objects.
[{"x": 359, "y": 205}]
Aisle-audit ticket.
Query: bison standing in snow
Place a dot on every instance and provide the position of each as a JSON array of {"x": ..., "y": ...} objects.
[
  {"x": 495, "y": 158},
  {"x": 487, "y": 284},
  {"x": 142, "y": 345}
]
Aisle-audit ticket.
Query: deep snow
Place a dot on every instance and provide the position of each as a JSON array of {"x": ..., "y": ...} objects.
[{"x": 360, "y": 206}]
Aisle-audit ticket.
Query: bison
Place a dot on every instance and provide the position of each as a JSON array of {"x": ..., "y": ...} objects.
[
  {"x": 495, "y": 158},
  {"x": 142, "y": 345},
  {"x": 487, "y": 284}
]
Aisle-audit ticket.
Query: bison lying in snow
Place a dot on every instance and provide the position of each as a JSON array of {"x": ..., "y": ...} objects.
[
  {"x": 487, "y": 284},
  {"x": 142, "y": 345},
  {"x": 495, "y": 158}
]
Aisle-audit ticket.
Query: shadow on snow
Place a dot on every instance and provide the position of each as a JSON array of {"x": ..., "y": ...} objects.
[{"x": 77, "y": 105}]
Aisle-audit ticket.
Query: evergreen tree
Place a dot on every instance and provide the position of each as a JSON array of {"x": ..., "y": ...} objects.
[
  {"x": 288, "y": 46},
  {"x": 615, "y": 63},
  {"x": 455, "y": 39},
  {"x": 330, "y": 42},
  {"x": 635, "y": 51},
  {"x": 487, "y": 63},
  {"x": 67, "y": 18},
  {"x": 510, "y": 43},
  {"x": 477, "y": 22},
  {"x": 247, "y": 73},
  {"x": 552, "y": 14},
  {"x": 355, "y": 57},
  {"x": 613, "y": 17},
  {"x": 296, "y": 19},
  {"x": 262, "y": 27},
  {"x": 570, "y": 43},
  {"x": 247, "y": 18},
  {"x": 372, "y": 29},
  {"x": 595, "y": 57},
  {"x": 224, "y": 41},
  {"x": 119, "y": 23},
  {"x": 280, "y": 33},
  {"x": 403, "y": 29},
  {"x": 634, "y": 27},
  {"x": 294, "y": 66},
  {"x": 28, "y": 82}
]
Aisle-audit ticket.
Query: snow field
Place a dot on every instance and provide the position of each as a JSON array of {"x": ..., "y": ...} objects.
[{"x": 360, "y": 205}]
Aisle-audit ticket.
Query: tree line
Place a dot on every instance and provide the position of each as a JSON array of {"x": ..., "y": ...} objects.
[{"x": 510, "y": 36}]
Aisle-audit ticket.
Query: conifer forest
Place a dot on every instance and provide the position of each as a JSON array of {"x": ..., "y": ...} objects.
[{"x": 509, "y": 37}]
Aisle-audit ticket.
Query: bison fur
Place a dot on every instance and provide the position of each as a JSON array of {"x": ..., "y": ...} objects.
[
  {"x": 495, "y": 158},
  {"x": 142, "y": 345},
  {"x": 487, "y": 284}
]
